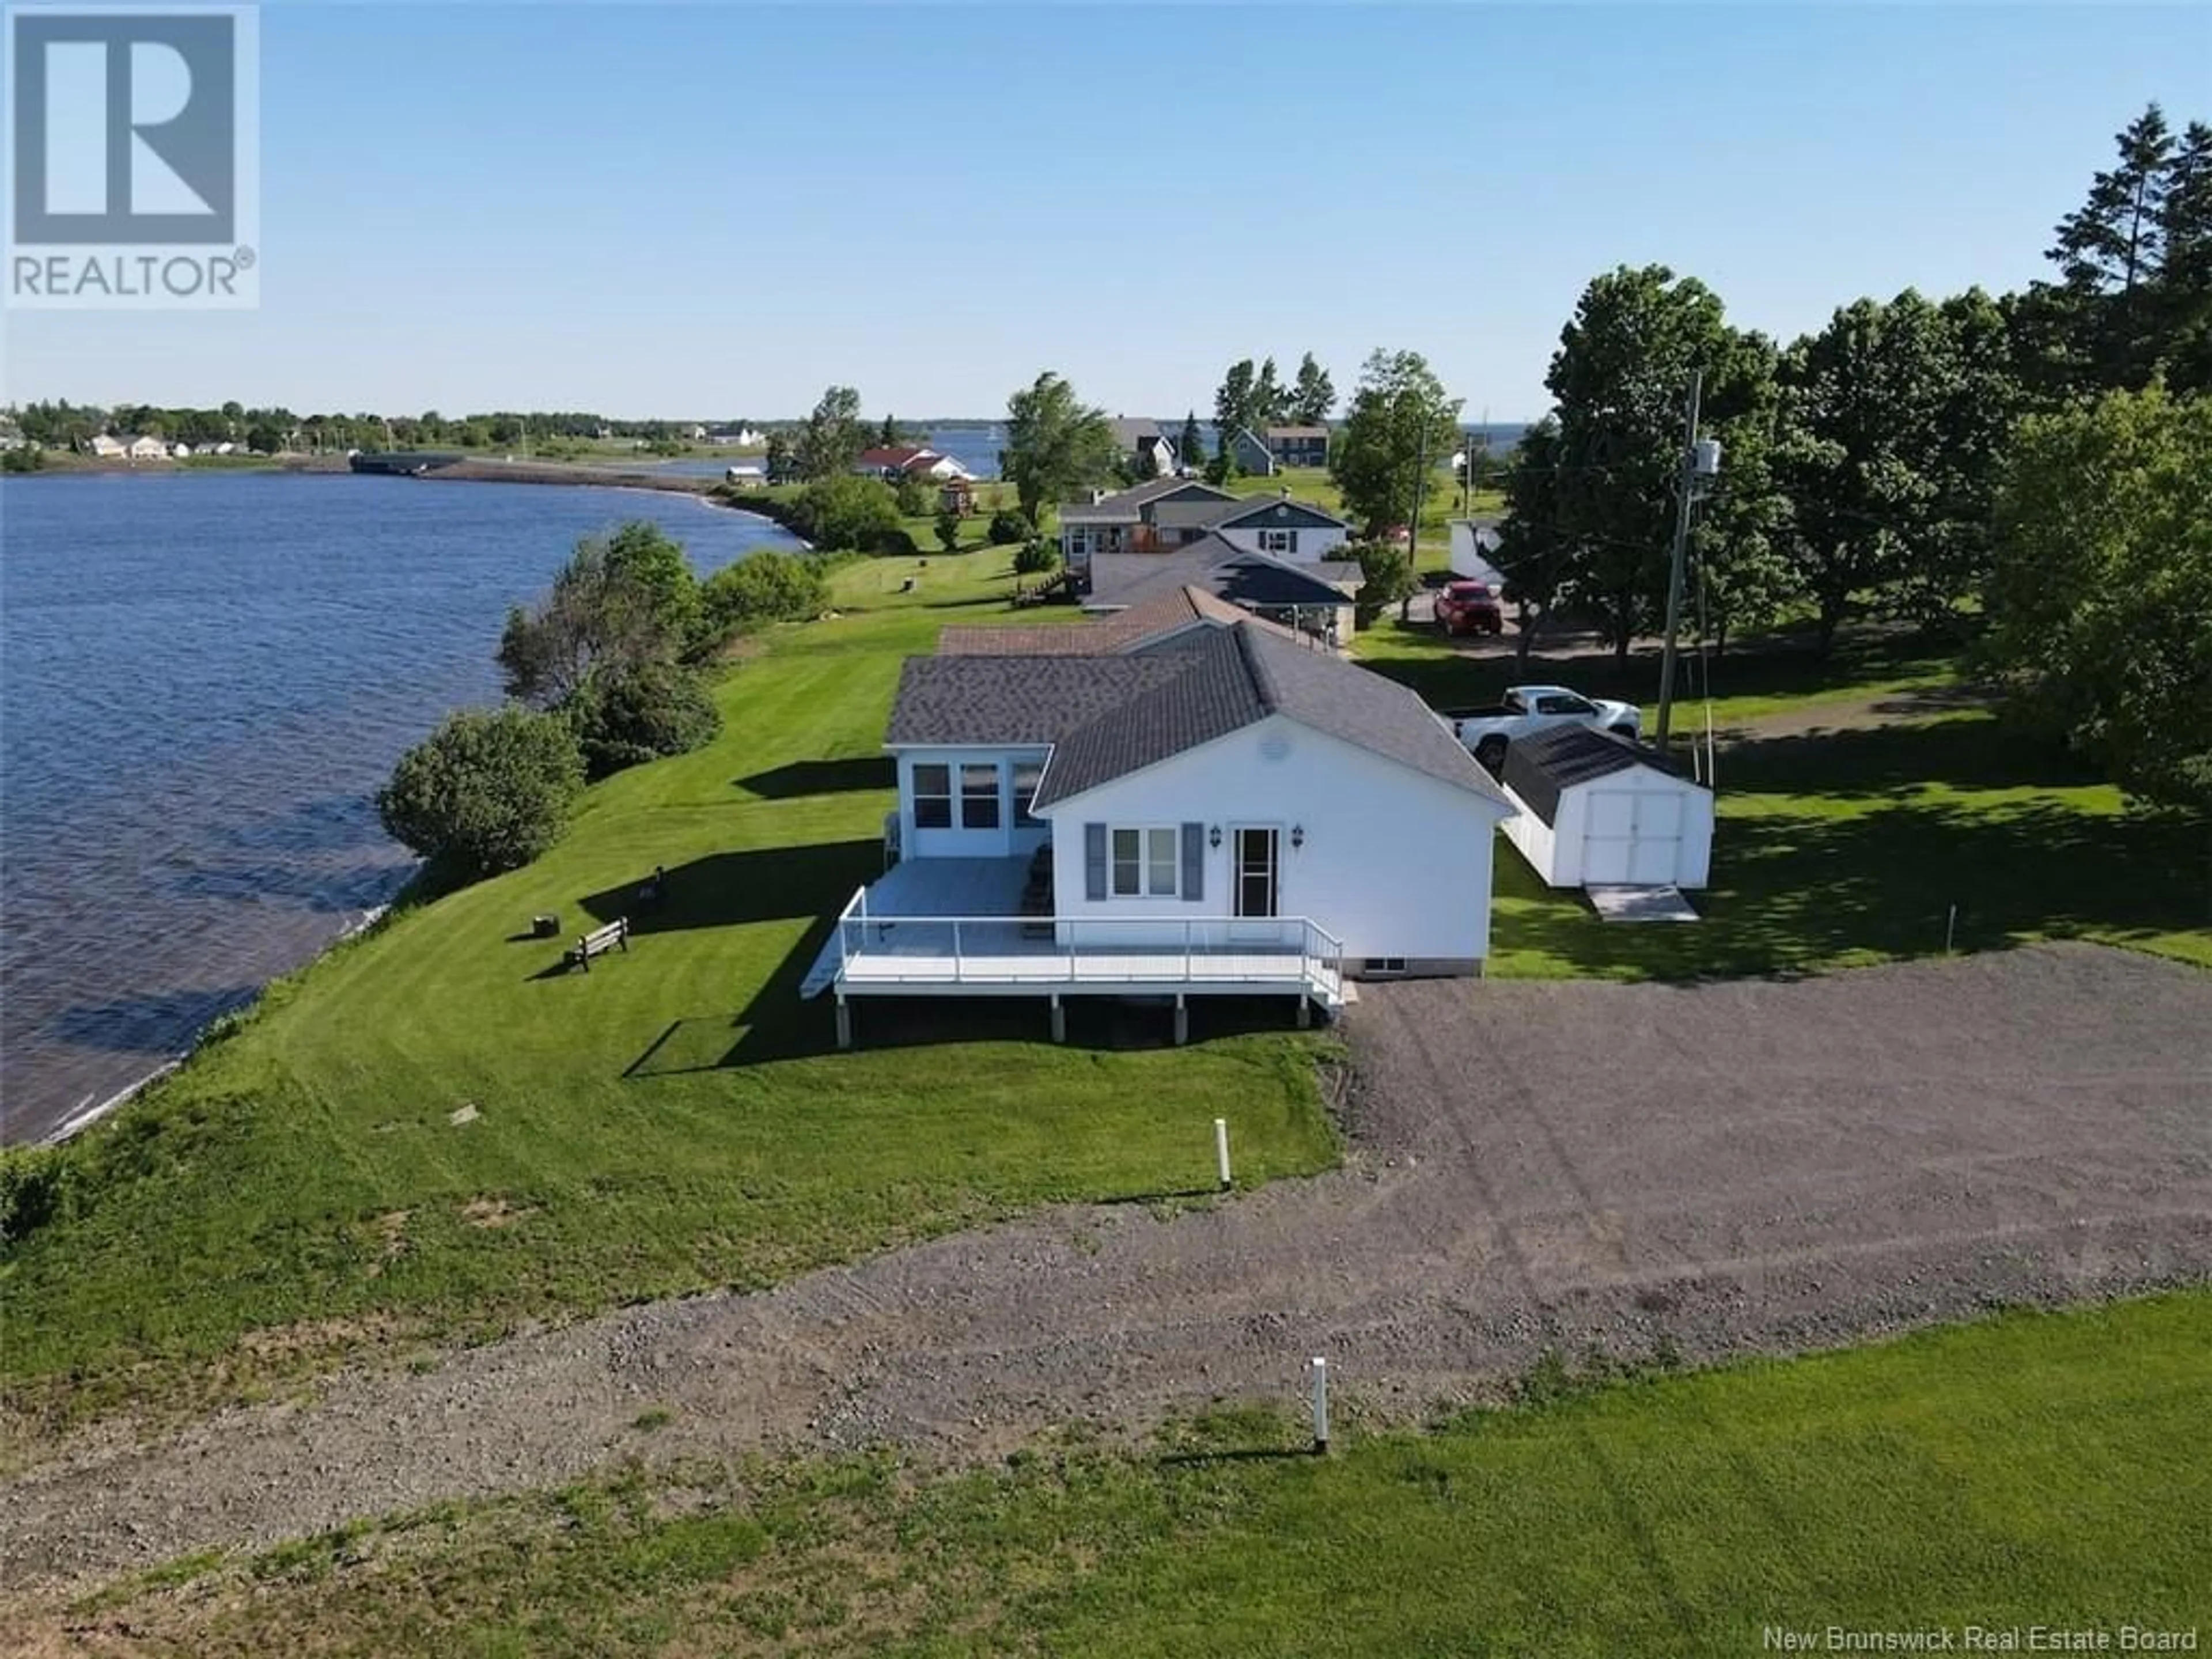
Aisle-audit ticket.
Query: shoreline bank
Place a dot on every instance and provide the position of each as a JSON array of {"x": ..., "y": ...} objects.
[{"x": 87, "y": 1112}]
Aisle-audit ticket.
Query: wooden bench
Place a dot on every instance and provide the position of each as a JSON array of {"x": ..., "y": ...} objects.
[{"x": 599, "y": 940}]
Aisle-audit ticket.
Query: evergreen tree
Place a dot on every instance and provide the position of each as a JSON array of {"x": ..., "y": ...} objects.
[{"x": 1313, "y": 395}]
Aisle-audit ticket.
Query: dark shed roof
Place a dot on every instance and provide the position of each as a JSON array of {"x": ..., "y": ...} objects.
[{"x": 1539, "y": 769}]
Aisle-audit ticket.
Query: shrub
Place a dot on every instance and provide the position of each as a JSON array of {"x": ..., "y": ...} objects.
[
  {"x": 33, "y": 1190},
  {"x": 948, "y": 530},
  {"x": 895, "y": 544},
  {"x": 627, "y": 716},
  {"x": 1010, "y": 527},
  {"x": 1036, "y": 557},
  {"x": 485, "y": 792},
  {"x": 846, "y": 511},
  {"x": 767, "y": 586},
  {"x": 913, "y": 495}
]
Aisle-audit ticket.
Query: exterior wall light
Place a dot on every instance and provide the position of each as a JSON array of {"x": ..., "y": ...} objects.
[
  {"x": 1213, "y": 837},
  {"x": 1298, "y": 836}
]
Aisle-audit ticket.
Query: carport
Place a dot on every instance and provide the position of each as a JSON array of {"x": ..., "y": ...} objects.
[{"x": 1595, "y": 810}]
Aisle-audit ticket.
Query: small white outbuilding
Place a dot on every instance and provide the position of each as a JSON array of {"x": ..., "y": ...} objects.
[{"x": 1595, "y": 810}]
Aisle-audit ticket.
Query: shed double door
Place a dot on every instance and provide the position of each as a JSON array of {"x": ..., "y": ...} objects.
[{"x": 1631, "y": 838}]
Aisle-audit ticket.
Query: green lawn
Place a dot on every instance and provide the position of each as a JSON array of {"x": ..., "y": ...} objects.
[
  {"x": 2031, "y": 1470},
  {"x": 674, "y": 1121},
  {"x": 1850, "y": 848}
]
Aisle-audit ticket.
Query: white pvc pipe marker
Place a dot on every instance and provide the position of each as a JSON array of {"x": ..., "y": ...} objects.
[
  {"x": 1319, "y": 1368},
  {"x": 1221, "y": 1150}
]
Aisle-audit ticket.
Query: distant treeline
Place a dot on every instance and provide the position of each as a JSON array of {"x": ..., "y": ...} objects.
[{"x": 64, "y": 425}]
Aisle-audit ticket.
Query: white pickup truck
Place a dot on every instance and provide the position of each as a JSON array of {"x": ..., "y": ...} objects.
[{"x": 1529, "y": 709}]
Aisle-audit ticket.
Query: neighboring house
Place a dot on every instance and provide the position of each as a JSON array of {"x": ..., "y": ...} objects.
[
  {"x": 107, "y": 449},
  {"x": 892, "y": 462},
  {"x": 1167, "y": 513},
  {"x": 1252, "y": 454},
  {"x": 1594, "y": 810},
  {"x": 1127, "y": 521},
  {"x": 695, "y": 434},
  {"x": 745, "y": 437},
  {"x": 1215, "y": 811},
  {"x": 147, "y": 448},
  {"x": 181, "y": 452},
  {"x": 1147, "y": 448},
  {"x": 1298, "y": 446},
  {"x": 1312, "y": 598},
  {"x": 746, "y": 475},
  {"x": 1154, "y": 622}
]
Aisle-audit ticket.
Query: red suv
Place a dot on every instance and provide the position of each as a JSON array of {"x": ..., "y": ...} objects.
[{"x": 1469, "y": 608}]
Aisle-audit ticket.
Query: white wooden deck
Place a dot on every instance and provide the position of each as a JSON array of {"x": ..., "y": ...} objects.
[{"x": 953, "y": 927}]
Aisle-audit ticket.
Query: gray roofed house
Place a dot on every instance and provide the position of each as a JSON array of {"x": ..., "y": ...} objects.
[
  {"x": 1204, "y": 812},
  {"x": 1257, "y": 581}
]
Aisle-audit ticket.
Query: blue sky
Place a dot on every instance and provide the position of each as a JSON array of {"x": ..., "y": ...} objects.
[{"x": 717, "y": 209}]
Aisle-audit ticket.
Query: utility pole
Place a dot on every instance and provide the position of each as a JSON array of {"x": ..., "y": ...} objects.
[
  {"x": 1420, "y": 490},
  {"x": 1687, "y": 485}
]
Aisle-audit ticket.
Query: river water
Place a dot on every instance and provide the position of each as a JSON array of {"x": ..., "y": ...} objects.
[{"x": 204, "y": 679}]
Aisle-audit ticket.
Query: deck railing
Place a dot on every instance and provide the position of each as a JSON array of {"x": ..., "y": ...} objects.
[{"x": 1086, "y": 949}]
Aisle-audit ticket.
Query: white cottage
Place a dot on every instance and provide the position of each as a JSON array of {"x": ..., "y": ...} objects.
[
  {"x": 1219, "y": 810},
  {"x": 1593, "y": 810}
]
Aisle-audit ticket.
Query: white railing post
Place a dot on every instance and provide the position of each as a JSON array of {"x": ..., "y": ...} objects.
[
  {"x": 956, "y": 950},
  {"x": 1186, "y": 950}
]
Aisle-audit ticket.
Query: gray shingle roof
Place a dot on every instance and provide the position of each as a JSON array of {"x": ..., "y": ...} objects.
[
  {"x": 1134, "y": 628},
  {"x": 1218, "y": 565},
  {"x": 1236, "y": 676},
  {"x": 1003, "y": 700},
  {"x": 1122, "y": 506}
]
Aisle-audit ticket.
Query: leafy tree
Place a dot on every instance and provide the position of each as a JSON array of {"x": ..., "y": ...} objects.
[
  {"x": 1401, "y": 423},
  {"x": 607, "y": 609},
  {"x": 1269, "y": 397},
  {"x": 1055, "y": 445},
  {"x": 2100, "y": 601},
  {"x": 914, "y": 495},
  {"x": 845, "y": 510},
  {"x": 948, "y": 529},
  {"x": 1233, "y": 401},
  {"x": 1313, "y": 395},
  {"x": 832, "y": 435},
  {"x": 1618, "y": 381},
  {"x": 1191, "y": 446},
  {"x": 641, "y": 557},
  {"x": 485, "y": 792},
  {"x": 1387, "y": 577},
  {"x": 764, "y": 588},
  {"x": 264, "y": 439},
  {"x": 1534, "y": 554},
  {"x": 633, "y": 713},
  {"x": 781, "y": 461},
  {"x": 1894, "y": 417},
  {"x": 1010, "y": 527}
]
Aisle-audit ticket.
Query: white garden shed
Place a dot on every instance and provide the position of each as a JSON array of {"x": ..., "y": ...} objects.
[{"x": 1595, "y": 810}]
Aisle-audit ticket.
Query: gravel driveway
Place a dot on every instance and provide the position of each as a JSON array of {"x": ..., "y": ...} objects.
[{"x": 1630, "y": 1169}]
